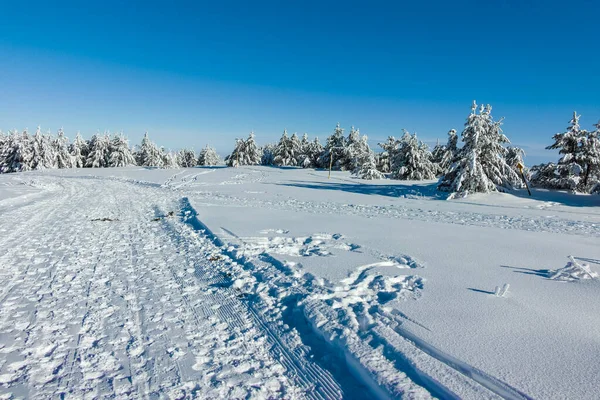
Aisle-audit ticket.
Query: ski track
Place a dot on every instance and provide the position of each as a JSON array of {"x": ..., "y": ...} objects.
[{"x": 153, "y": 306}]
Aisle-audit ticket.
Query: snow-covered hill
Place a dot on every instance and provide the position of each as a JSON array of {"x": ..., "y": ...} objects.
[{"x": 280, "y": 283}]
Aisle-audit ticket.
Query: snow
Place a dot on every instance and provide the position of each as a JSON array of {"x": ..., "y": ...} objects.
[{"x": 266, "y": 282}]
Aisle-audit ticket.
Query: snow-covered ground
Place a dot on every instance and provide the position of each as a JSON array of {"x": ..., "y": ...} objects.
[{"x": 281, "y": 283}]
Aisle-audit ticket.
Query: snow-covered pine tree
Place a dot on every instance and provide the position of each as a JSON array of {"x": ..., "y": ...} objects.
[
  {"x": 37, "y": 150},
  {"x": 268, "y": 154},
  {"x": 288, "y": 150},
  {"x": 246, "y": 152},
  {"x": 148, "y": 154},
  {"x": 480, "y": 165},
  {"x": 413, "y": 160},
  {"x": 169, "y": 159},
  {"x": 283, "y": 152},
  {"x": 352, "y": 152},
  {"x": 545, "y": 176},
  {"x": 493, "y": 153},
  {"x": 303, "y": 158},
  {"x": 60, "y": 146},
  {"x": 390, "y": 146},
  {"x": 443, "y": 156},
  {"x": 367, "y": 166},
  {"x": 514, "y": 157},
  {"x": 208, "y": 156},
  {"x": 590, "y": 157},
  {"x": 99, "y": 151},
  {"x": 570, "y": 165},
  {"x": 251, "y": 154},
  {"x": 16, "y": 156},
  {"x": 186, "y": 158},
  {"x": 296, "y": 148},
  {"x": 233, "y": 159},
  {"x": 120, "y": 153},
  {"x": 313, "y": 153},
  {"x": 334, "y": 147},
  {"x": 3, "y": 142},
  {"x": 79, "y": 151},
  {"x": 397, "y": 152},
  {"x": 42, "y": 155},
  {"x": 437, "y": 154},
  {"x": 357, "y": 150}
]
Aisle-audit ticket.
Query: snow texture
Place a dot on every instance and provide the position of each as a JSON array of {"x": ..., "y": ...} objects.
[{"x": 257, "y": 282}]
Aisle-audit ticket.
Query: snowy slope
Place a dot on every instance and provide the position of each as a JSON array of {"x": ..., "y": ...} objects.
[{"x": 267, "y": 282}]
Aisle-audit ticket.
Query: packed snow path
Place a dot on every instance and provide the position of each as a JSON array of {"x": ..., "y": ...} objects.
[{"x": 118, "y": 308}]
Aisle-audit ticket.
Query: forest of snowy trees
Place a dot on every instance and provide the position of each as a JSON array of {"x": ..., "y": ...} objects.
[
  {"x": 21, "y": 151},
  {"x": 484, "y": 162}
]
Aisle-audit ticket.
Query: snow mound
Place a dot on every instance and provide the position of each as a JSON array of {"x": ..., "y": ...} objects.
[{"x": 573, "y": 271}]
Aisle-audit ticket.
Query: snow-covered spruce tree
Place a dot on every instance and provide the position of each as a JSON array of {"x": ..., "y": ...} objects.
[
  {"x": 268, "y": 154},
  {"x": 570, "y": 166},
  {"x": 480, "y": 165},
  {"x": 412, "y": 160},
  {"x": 303, "y": 158},
  {"x": 296, "y": 148},
  {"x": 443, "y": 156},
  {"x": 60, "y": 147},
  {"x": 514, "y": 157},
  {"x": 545, "y": 176},
  {"x": 437, "y": 154},
  {"x": 351, "y": 152},
  {"x": 396, "y": 154},
  {"x": 208, "y": 156},
  {"x": 590, "y": 157},
  {"x": 356, "y": 151},
  {"x": 186, "y": 158},
  {"x": 16, "y": 156},
  {"x": 99, "y": 151},
  {"x": 79, "y": 151},
  {"x": 334, "y": 147},
  {"x": 233, "y": 159},
  {"x": 42, "y": 155},
  {"x": 169, "y": 159},
  {"x": 314, "y": 152},
  {"x": 287, "y": 150},
  {"x": 3, "y": 142},
  {"x": 148, "y": 154},
  {"x": 367, "y": 168},
  {"x": 310, "y": 153},
  {"x": 494, "y": 152},
  {"x": 246, "y": 152},
  {"x": 120, "y": 153},
  {"x": 389, "y": 147}
]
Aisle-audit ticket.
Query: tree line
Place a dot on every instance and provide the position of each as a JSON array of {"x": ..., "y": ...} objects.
[
  {"x": 484, "y": 162},
  {"x": 20, "y": 151}
]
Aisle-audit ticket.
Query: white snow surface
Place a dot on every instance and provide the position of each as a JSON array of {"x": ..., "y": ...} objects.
[{"x": 259, "y": 282}]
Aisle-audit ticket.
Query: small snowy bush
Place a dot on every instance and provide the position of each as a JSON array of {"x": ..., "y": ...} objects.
[{"x": 573, "y": 271}]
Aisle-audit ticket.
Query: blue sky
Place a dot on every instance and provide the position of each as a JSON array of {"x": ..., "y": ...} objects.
[{"x": 193, "y": 73}]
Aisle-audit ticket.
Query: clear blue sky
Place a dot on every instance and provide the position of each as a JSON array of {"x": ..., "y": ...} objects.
[{"x": 198, "y": 72}]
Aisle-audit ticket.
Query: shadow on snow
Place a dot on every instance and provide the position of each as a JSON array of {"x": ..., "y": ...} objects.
[
  {"x": 559, "y": 196},
  {"x": 412, "y": 190}
]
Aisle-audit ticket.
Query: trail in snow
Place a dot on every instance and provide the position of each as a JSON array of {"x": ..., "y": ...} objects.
[{"x": 95, "y": 309}]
